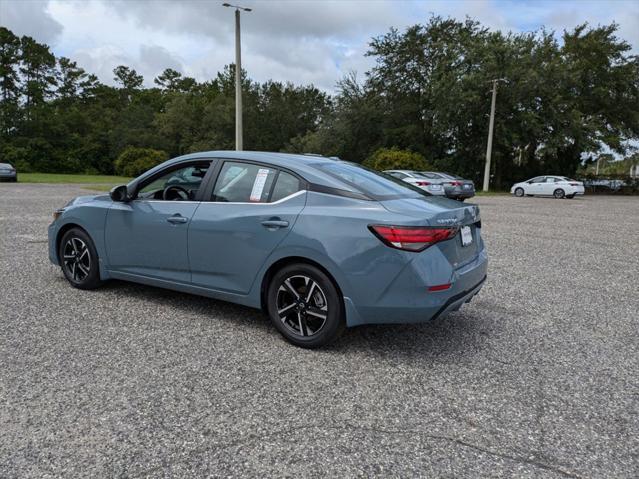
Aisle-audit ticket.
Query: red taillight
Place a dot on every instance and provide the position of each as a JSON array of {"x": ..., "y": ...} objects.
[
  {"x": 411, "y": 238},
  {"x": 439, "y": 287},
  {"x": 422, "y": 183},
  {"x": 574, "y": 184},
  {"x": 455, "y": 183}
]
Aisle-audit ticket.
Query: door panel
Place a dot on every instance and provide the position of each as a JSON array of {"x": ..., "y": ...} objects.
[
  {"x": 536, "y": 187},
  {"x": 150, "y": 238},
  {"x": 229, "y": 242}
]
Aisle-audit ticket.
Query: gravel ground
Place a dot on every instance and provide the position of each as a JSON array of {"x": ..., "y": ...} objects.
[{"x": 537, "y": 377}]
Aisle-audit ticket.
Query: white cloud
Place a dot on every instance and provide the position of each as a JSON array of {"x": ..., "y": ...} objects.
[{"x": 30, "y": 18}]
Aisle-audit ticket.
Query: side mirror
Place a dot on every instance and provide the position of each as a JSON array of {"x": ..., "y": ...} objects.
[{"x": 119, "y": 193}]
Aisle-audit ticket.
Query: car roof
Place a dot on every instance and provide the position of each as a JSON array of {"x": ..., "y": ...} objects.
[{"x": 303, "y": 164}]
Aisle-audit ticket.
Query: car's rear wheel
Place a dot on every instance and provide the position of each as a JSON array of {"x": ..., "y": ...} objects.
[
  {"x": 519, "y": 192},
  {"x": 305, "y": 306},
  {"x": 79, "y": 259},
  {"x": 559, "y": 193}
]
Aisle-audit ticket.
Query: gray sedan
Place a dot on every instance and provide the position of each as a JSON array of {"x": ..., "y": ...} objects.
[
  {"x": 8, "y": 172},
  {"x": 455, "y": 187},
  {"x": 318, "y": 244}
]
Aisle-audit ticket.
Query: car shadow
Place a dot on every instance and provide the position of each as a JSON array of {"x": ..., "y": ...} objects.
[{"x": 440, "y": 339}]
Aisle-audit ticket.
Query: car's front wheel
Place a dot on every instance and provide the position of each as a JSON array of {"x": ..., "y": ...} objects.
[
  {"x": 519, "y": 192},
  {"x": 79, "y": 259},
  {"x": 305, "y": 306},
  {"x": 559, "y": 193}
]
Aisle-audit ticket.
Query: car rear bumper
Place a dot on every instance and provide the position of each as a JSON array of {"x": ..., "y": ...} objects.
[
  {"x": 435, "y": 192},
  {"x": 460, "y": 193},
  {"x": 408, "y": 300},
  {"x": 8, "y": 176}
]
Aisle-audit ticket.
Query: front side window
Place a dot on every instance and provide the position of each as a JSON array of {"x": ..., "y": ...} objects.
[
  {"x": 177, "y": 185},
  {"x": 243, "y": 183},
  {"x": 539, "y": 179}
]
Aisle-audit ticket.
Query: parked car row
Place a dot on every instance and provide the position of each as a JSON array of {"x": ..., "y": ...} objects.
[
  {"x": 8, "y": 172},
  {"x": 438, "y": 184},
  {"x": 458, "y": 188}
]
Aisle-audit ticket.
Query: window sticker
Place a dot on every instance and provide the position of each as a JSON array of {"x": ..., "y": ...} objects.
[{"x": 258, "y": 185}]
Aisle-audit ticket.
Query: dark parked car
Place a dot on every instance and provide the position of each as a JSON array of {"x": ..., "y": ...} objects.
[
  {"x": 455, "y": 187},
  {"x": 8, "y": 172}
]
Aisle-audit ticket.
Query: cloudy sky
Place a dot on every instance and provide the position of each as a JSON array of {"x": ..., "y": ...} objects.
[{"x": 309, "y": 41}]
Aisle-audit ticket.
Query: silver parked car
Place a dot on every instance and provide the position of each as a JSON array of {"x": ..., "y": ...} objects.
[
  {"x": 455, "y": 187},
  {"x": 416, "y": 178},
  {"x": 8, "y": 172}
]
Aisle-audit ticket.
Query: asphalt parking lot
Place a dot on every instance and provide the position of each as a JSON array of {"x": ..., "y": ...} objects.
[{"x": 537, "y": 377}]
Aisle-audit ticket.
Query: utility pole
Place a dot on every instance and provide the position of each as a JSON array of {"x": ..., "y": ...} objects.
[
  {"x": 238, "y": 76},
  {"x": 489, "y": 148}
]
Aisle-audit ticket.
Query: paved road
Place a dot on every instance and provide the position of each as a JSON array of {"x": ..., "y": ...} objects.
[{"x": 538, "y": 377}]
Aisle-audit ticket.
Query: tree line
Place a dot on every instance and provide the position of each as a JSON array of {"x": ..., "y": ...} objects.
[{"x": 563, "y": 102}]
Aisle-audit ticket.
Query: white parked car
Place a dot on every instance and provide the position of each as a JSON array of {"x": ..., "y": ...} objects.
[
  {"x": 434, "y": 186},
  {"x": 557, "y": 186}
]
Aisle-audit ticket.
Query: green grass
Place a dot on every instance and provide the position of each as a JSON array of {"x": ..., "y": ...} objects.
[
  {"x": 98, "y": 187},
  {"x": 105, "y": 181}
]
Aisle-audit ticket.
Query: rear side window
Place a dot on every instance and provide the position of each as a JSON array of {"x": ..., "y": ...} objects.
[
  {"x": 243, "y": 183},
  {"x": 285, "y": 185},
  {"x": 376, "y": 185}
]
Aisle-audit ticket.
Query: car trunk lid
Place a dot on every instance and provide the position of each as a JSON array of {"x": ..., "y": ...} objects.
[{"x": 442, "y": 212}]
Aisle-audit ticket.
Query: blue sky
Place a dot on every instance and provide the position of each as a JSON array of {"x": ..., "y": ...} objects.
[{"x": 301, "y": 41}]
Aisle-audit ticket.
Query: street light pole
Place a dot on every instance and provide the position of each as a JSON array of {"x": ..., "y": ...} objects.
[
  {"x": 491, "y": 125},
  {"x": 238, "y": 76}
]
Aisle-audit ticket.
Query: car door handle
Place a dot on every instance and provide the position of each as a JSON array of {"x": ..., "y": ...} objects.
[
  {"x": 275, "y": 223},
  {"x": 176, "y": 219}
]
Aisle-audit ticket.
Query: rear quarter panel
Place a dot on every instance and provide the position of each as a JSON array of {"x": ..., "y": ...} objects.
[{"x": 333, "y": 232}]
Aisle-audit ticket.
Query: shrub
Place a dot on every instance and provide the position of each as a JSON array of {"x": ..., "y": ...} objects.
[
  {"x": 16, "y": 156},
  {"x": 135, "y": 161},
  {"x": 396, "y": 159}
]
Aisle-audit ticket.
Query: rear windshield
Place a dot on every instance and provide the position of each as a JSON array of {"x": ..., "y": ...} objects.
[{"x": 374, "y": 184}]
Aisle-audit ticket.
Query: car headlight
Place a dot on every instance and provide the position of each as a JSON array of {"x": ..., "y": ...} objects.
[{"x": 57, "y": 213}]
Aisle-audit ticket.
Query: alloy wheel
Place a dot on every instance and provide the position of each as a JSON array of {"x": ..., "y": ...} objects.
[
  {"x": 301, "y": 305},
  {"x": 77, "y": 259}
]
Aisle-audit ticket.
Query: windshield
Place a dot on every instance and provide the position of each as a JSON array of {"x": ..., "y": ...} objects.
[{"x": 379, "y": 186}]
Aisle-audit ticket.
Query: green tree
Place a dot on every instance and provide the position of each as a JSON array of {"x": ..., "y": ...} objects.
[
  {"x": 396, "y": 159},
  {"x": 135, "y": 161},
  {"x": 9, "y": 81}
]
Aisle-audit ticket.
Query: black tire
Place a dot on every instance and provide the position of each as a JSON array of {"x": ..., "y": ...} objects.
[
  {"x": 559, "y": 193},
  {"x": 298, "y": 317},
  {"x": 79, "y": 259},
  {"x": 519, "y": 192}
]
